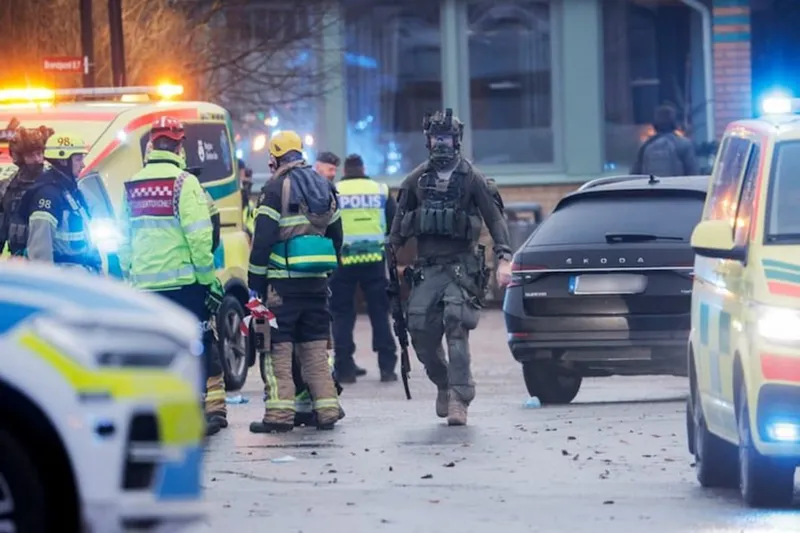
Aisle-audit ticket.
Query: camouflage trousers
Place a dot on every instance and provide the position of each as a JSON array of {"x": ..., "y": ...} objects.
[{"x": 438, "y": 307}]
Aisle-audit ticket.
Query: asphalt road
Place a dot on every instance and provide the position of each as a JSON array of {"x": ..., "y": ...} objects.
[{"x": 615, "y": 460}]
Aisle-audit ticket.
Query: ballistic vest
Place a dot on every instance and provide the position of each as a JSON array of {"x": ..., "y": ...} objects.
[{"x": 363, "y": 205}]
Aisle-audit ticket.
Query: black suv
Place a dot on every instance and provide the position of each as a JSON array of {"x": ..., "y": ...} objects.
[{"x": 603, "y": 286}]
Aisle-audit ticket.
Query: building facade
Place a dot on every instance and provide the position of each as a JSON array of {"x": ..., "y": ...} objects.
[{"x": 553, "y": 92}]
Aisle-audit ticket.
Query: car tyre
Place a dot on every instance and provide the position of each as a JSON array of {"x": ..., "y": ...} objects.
[
  {"x": 23, "y": 505},
  {"x": 715, "y": 460},
  {"x": 549, "y": 384},
  {"x": 232, "y": 343},
  {"x": 764, "y": 481}
]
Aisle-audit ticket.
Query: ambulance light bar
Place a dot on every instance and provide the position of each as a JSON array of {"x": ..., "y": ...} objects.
[
  {"x": 164, "y": 91},
  {"x": 31, "y": 95}
]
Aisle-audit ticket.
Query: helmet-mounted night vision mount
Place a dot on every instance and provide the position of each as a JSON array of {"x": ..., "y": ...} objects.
[{"x": 440, "y": 124}]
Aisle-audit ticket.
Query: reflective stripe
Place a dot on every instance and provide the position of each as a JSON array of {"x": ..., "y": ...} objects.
[
  {"x": 361, "y": 258},
  {"x": 204, "y": 269},
  {"x": 167, "y": 275},
  {"x": 72, "y": 236},
  {"x": 197, "y": 226},
  {"x": 154, "y": 223},
  {"x": 285, "y": 274},
  {"x": 294, "y": 220},
  {"x": 295, "y": 260},
  {"x": 258, "y": 270},
  {"x": 283, "y": 405},
  {"x": 326, "y": 403},
  {"x": 268, "y": 212},
  {"x": 44, "y": 215},
  {"x": 215, "y": 395}
]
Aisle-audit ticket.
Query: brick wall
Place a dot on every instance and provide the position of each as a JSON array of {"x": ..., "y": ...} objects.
[{"x": 732, "y": 72}]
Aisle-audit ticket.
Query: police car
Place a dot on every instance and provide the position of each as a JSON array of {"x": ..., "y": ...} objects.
[
  {"x": 743, "y": 414},
  {"x": 100, "y": 420}
]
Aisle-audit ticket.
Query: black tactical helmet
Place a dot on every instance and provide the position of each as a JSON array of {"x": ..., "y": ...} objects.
[{"x": 441, "y": 124}]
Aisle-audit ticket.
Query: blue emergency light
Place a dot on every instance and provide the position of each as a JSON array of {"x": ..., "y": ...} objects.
[{"x": 779, "y": 103}]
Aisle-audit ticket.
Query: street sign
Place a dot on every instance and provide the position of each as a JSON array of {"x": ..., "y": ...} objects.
[{"x": 63, "y": 64}]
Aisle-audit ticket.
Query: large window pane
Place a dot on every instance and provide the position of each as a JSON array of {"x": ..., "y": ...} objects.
[
  {"x": 393, "y": 76},
  {"x": 647, "y": 58},
  {"x": 510, "y": 82}
]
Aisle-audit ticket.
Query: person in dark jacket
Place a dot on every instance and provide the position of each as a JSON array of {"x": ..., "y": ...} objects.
[
  {"x": 367, "y": 209},
  {"x": 666, "y": 153}
]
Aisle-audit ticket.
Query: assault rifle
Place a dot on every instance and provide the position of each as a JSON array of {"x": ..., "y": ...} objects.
[{"x": 398, "y": 317}]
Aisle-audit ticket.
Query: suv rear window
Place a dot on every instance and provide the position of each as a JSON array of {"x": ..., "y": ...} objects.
[{"x": 587, "y": 220}]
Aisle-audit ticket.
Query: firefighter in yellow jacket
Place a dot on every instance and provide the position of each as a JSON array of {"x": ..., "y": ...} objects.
[
  {"x": 168, "y": 242},
  {"x": 296, "y": 244}
]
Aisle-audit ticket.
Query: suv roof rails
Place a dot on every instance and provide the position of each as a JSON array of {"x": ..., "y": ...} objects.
[{"x": 616, "y": 179}]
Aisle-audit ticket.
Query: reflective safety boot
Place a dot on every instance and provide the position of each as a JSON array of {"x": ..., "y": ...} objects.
[
  {"x": 442, "y": 399},
  {"x": 456, "y": 412}
]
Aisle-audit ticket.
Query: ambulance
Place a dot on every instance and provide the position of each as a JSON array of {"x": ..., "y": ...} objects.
[
  {"x": 101, "y": 427},
  {"x": 115, "y": 124},
  {"x": 743, "y": 412}
]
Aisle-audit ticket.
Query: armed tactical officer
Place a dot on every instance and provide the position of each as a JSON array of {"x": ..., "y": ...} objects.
[
  {"x": 56, "y": 211},
  {"x": 167, "y": 247},
  {"x": 444, "y": 203},
  {"x": 27, "y": 153},
  {"x": 296, "y": 244}
]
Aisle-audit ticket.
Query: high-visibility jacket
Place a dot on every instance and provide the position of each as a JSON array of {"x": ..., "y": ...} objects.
[
  {"x": 166, "y": 226},
  {"x": 363, "y": 206}
]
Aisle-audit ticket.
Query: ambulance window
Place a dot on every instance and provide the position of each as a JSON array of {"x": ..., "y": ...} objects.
[
  {"x": 725, "y": 190},
  {"x": 208, "y": 149},
  {"x": 744, "y": 213},
  {"x": 783, "y": 215}
]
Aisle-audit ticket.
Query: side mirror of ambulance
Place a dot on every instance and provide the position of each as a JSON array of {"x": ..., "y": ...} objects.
[{"x": 714, "y": 238}]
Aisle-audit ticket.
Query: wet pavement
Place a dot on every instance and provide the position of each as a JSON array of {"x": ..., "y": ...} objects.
[{"x": 615, "y": 460}]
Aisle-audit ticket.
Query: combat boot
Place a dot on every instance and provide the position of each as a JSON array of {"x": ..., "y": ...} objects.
[
  {"x": 270, "y": 427},
  {"x": 212, "y": 426},
  {"x": 456, "y": 412},
  {"x": 442, "y": 400}
]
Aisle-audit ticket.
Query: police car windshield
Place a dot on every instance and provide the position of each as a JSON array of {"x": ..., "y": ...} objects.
[{"x": 783, "y": 206}]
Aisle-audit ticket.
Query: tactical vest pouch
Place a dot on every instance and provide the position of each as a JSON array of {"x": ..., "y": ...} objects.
[
  {"x": 309, "y": 254},
  {"x": 408, "y": 227}
]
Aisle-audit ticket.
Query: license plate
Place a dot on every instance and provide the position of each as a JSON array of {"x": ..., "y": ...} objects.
[{"x": 608, "y": 284}]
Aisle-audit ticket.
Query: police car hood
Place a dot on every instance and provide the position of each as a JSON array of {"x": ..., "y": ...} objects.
[{"x": 28, "y": 290}]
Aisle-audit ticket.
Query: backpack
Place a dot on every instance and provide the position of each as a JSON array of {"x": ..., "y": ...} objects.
[
  {"x": 660, "y": 156},
  {"x": 314, "y": 196}
]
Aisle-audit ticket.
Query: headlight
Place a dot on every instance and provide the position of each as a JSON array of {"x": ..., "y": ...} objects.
[
  {"x": 779, "y": 324},
  {"x": 105, "y": 235}
]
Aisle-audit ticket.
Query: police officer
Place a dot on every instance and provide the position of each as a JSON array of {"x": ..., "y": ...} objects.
[
  {"x": 295, "y": 247},
  {"x": 444, "y": 203},
  {"x": 168, "y": 242},
  {"x": 27, "y": 153},
  {"x": 367, "y": 208},
  {"x": 55, "y": 210},
  {"x": 327, "y": 164}
]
